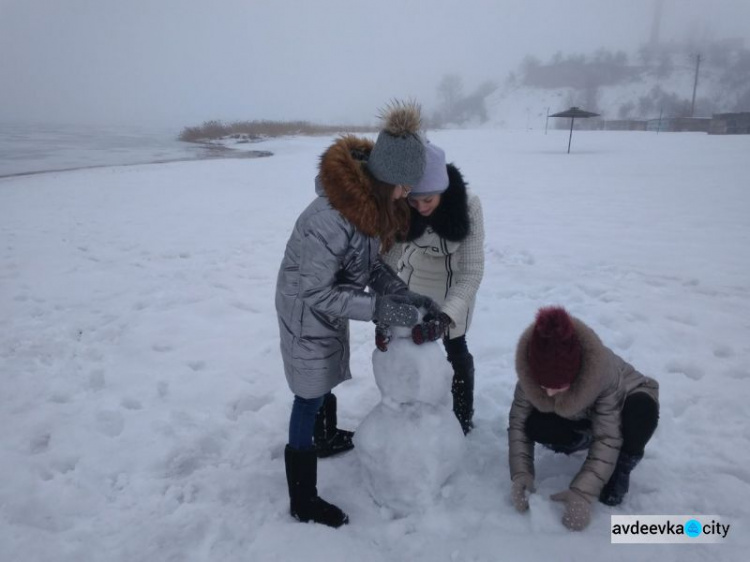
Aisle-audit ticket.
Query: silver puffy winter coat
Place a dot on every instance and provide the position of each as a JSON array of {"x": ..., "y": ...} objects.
[{"x": 330, "y": 259}]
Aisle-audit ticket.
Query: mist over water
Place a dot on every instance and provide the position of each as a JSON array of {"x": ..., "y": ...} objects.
[
  {"x": 89, "y": 83},
  {"x": 26, "y": 148}
]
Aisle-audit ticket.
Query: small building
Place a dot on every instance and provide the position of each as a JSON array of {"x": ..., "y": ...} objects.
[
  {"x": 679, "y": 124},
  {"x": 591, "y": 124},
  {"x": 624, "y": 125},
  {"x": 730, "y": 124}
]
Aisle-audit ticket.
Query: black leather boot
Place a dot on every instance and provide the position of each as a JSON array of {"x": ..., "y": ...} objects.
[
  {"x": 463, "y": 391},
  {"x": 330, "y": 440},
  {"x": 304, "y": 503},
  {"x": 619, "y": 483}
]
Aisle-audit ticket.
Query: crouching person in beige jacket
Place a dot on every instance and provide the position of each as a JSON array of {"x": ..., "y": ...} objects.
[{"x": 574, "y": 393}]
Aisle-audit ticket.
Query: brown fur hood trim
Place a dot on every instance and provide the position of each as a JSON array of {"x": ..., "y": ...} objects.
[
  {"x": 348, "y": 185},
  {"x": 597, "y": 374}
]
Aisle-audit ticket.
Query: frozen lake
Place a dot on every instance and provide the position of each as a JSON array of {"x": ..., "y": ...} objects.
[{"x": 27, "y": 148}]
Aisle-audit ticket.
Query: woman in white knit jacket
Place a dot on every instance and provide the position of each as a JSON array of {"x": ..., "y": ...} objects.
[{"x": 443, "y": 257}]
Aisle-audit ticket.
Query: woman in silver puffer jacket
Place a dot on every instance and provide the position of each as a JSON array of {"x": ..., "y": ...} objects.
[
  {"x": 574, "y": 393},
  {"x": 331, "y": 258}
]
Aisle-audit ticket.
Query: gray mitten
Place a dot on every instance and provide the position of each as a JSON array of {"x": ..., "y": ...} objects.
[
  {"x": 395, "y": 310},
  {"x": 522, "y": 484},
  {"x": 577, "y": 509},
  {"x": 420, "y": 301}
]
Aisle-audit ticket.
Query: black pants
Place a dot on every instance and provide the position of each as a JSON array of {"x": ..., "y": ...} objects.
[
  {"x": 639, "y": 418},
  {"x": 456, "y": 348}
]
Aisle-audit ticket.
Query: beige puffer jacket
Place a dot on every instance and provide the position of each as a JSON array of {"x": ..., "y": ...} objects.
[{"x": 598, "y": 394}]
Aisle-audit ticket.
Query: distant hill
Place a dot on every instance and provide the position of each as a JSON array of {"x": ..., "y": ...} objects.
[{"x": 621, "y": 86}]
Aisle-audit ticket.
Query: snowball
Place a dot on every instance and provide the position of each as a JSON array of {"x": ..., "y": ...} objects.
[
  {"x": 408, "y": 372},
  {"x": 408, "y": 451}
]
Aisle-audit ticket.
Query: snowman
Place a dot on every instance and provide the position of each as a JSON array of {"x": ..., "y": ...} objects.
[{"x": 411, "y": 442}]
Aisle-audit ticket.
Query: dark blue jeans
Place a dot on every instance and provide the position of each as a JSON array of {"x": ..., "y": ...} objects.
[{"x": 302, "y": 422}]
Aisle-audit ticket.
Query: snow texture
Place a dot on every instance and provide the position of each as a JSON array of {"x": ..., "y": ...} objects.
[{"x": 144, "y": 410}]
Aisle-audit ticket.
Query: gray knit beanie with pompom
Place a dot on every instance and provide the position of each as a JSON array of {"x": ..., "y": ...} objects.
[{"x": 398, "y": 156}]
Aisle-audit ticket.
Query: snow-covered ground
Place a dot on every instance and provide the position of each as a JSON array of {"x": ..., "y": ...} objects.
[{"x": 143, "y": 411}]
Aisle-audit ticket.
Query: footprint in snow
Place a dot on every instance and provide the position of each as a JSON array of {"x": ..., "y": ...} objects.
[
  {"x": 723, "y": 351},
  {"x": 737, "y": 374},
  {"x": 247, "y": 403},
  {"x": 39, "y": 443},
  {"x": 690, "y": 371},
  {"x": 131, "y": 404},
  {"x": 96, "y": 380},
  {"x": 682, "y": 319},
  {"x": 197, "y": 365},
  {"x": 110, "y": 423},
  {"x": 162, "y": 389}
]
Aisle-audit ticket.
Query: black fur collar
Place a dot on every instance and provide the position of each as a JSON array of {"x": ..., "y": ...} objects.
[{"x": 451, "y": 218}]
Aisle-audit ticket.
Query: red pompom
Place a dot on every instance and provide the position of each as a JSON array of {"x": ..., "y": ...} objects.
[{"x": 554, "y": 351}]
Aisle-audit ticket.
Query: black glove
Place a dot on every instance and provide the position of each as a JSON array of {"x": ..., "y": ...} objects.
[
  {"x": 420, "y": 301},
  {"x": 433, "y": 327},
  {"x": 395, "y": 310},
  {"x": 382, "y": 337}
]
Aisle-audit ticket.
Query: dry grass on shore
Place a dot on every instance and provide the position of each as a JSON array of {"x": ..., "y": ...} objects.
[{"x": 252, "y": 130}]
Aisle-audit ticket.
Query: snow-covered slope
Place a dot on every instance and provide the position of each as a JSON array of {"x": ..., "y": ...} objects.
[{"x": 517, "y": 106}]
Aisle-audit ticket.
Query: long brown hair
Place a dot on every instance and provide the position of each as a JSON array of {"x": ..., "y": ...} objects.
[{"x": 393, "y": 216}]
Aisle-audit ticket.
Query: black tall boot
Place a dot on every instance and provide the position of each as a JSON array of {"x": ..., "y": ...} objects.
[
  {"x": 614, "y": 491},
  {"x": 463, "y": 390},
  {"x": 302, "y": 479},
  {"x": 330, "y": 440}
]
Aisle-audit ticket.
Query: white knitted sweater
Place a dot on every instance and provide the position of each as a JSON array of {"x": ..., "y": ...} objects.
[{"x": 448, "y": 272}]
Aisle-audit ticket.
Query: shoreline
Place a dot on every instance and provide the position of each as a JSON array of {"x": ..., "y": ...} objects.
[{"x": 212, "y": 154}]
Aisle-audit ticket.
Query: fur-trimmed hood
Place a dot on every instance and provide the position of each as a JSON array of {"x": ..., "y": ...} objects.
[
  {"x": 347, "y": 184},
  {"x": 451, "y": 218},
  {"x": 598, "y": 393},
  {"x": 597, "y": 374}
]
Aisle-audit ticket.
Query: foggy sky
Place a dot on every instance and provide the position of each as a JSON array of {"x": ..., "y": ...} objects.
[{"x": 180, "y": 62}]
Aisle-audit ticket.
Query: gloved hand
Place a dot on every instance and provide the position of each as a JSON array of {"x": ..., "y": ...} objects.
[
  {"x": 421, "y": 301},
  {"x": 522, "y": 484},
  {"x": 577, "y": 509},
  {"x": 395, "y": 310},
  {"x": 382, "y": 337},
  {"x": 432, "y": 327}
]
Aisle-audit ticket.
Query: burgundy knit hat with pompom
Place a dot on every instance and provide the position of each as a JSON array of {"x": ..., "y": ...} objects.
[{"x": 554, "y": 351}]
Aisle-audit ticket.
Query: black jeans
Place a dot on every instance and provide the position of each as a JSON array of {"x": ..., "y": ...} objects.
[
  {"x": 639, "y": 418},
  {"x": 456, "y": 348}
]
